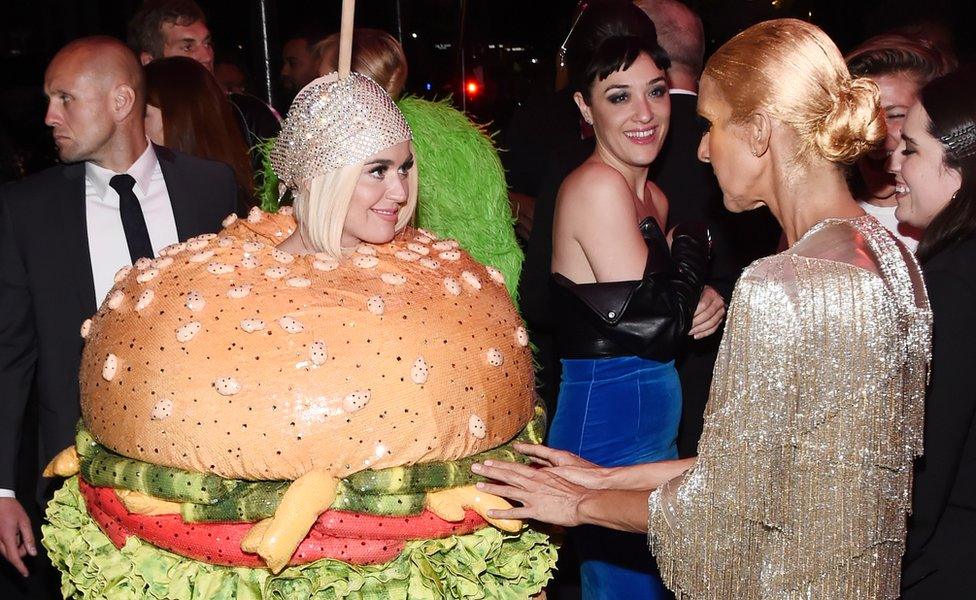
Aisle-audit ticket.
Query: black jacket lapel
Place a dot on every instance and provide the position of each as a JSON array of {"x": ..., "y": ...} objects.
[
  {"x": 75, "y": 224},
  {"x": 180, "y": 193}
]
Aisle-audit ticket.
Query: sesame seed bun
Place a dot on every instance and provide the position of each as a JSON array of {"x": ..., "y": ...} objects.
[{"x": 226, "y": 355}]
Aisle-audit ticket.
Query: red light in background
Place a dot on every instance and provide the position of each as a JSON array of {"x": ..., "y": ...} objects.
[{"x": 472, "y": 87}]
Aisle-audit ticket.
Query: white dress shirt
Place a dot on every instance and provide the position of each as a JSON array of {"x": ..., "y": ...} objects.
[
  {"x": 107, "y": 248},
  {"x": 886, "y": 215}
]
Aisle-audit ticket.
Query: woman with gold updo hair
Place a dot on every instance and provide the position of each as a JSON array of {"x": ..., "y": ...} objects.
[{"x": 804, "y": 469}]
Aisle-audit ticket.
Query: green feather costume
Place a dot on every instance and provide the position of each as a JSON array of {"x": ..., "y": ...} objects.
[{"x": 462, "y": 189}]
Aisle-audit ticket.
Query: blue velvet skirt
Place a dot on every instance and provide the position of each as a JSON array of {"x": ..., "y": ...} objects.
[{"x": 614, "y": 412}]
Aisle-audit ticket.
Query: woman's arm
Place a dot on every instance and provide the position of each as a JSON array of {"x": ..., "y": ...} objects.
[
  {"x": 647, "y": 476},
  {"x": 547, "y": 497},
  {"x": 568, "y": 490},
  {"x": 596, "y": 224},
  {"x": 574, "y": 469}
]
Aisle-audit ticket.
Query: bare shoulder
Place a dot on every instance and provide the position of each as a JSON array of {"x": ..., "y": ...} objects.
[
  {"x": 594, "y": 188},
  {"x": 656, "y": 192},
  {"x": 839, "y": 241}
]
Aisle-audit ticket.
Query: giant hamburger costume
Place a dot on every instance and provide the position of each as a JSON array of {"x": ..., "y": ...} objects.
[{"x": 257, "y": 424}]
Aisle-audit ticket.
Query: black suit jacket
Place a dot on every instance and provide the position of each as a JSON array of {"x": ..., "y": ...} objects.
[
  {"x": 47, "y": 290},
  {"x": 940, "y": 559}
]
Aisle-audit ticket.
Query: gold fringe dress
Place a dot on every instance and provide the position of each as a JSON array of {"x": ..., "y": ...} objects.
[{"x": 804, "y": 470}]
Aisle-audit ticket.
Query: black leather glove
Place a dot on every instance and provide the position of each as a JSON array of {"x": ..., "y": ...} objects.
[{"x": 649, "y": 318}]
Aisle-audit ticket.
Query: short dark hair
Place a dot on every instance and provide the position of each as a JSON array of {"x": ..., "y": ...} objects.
[
  {"x": 145, "y": 29},
  {"x": 948, "y": 100},
  {"x": 608, "y": 37},
  {"x": 891, "y": 53},
  {"x": 312, "y": 33}
]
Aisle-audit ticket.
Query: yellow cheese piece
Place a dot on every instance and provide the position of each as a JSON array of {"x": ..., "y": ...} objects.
[
  {"x": 306, "y": 498},
  {"x": 65, "y": 464},
  {"x": 254, "y": 536},
  {"x": 144, "y": 504},
  {"x": 450, "y": 505}
]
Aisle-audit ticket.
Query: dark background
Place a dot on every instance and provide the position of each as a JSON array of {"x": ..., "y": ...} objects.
[{"x": 509, "y": 46}]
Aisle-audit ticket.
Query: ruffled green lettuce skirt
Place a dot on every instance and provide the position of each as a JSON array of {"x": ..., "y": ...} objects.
[{"x": 485, "y": 564}]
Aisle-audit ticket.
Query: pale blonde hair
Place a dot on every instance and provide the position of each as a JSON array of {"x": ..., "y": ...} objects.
[
  {"x": 322, "y": 204},
  {"x": 791, "y": 71},
  {"x": 375, "y": 54}
]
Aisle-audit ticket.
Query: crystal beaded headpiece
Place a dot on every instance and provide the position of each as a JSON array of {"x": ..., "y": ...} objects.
[
  {"x": 334, "y": 123},
  {"x": 961, "y": 143}
]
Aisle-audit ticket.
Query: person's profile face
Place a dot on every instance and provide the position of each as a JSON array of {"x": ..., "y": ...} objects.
[
  {"x": 191, "y": 40},
  {"x": 154, "y": 125},
  {"x": 724, "y": 146},
  {"x": 79, "y": 110},
  {"x": 380, "y": 194},
  {"x": 630, "y": 111},
  {"x": 924, "y": 185},
  {"x": 297, "y": 68},
  {"x": 898, "y": 92},
  {"x": 230, "y": 77}
]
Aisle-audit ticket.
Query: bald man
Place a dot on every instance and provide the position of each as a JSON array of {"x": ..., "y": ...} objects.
[{"x": 66, "y": 231}]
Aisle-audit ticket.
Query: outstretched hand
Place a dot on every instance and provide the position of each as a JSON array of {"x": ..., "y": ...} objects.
[
  {"x": 544, "y": 495},
  {"x": 567, "y": 465}
]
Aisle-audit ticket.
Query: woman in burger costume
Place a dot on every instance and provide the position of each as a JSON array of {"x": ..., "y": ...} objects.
[{"x": 290, "y": 408}]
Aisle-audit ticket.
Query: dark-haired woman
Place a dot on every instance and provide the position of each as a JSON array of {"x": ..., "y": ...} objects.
[
  {"x": 935, "y": 170},
  {"x": 187, "y": 111},
  {"x": 623, "y": 300}
]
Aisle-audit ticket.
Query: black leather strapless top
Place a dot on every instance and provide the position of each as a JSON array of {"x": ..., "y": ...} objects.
[{"x": 650, "y": 317}]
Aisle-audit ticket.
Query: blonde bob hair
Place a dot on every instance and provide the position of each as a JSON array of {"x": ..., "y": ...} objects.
[
  {"x": 793, "y": 72},
  {"x": 322, "y": 203}
]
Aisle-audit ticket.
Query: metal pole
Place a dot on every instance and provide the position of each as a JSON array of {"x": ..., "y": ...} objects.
[
  {"x": 398, "y": 16},
  {"x": 464, "y": 92},
  {"x": 265, "y": 52}
]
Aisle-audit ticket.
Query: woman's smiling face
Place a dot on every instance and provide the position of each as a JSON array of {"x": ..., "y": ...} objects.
[
  {"x": 630, "y": 111},
  {"x": 924, "y": 184},
  {"x": 380, "y": 193}
]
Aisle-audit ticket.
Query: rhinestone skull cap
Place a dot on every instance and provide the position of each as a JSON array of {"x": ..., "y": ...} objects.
[{"x": 334, "y": 123}]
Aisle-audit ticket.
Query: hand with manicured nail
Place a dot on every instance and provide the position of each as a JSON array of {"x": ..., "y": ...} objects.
[{"x": 708, "y": 315}]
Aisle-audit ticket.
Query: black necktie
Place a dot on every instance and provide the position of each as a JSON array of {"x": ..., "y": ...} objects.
[{"x": 133, "y": 222}]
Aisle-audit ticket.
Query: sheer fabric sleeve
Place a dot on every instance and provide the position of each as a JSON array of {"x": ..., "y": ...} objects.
[{"x": 707, "y": 524}]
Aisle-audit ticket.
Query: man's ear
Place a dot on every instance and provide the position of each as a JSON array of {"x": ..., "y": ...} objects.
[
  {"x": 759, "y": 129},
  {"x": 583, "y": 107},
  {"x": 123, "y": 101},
  {"x": 145, "y": 58}
]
